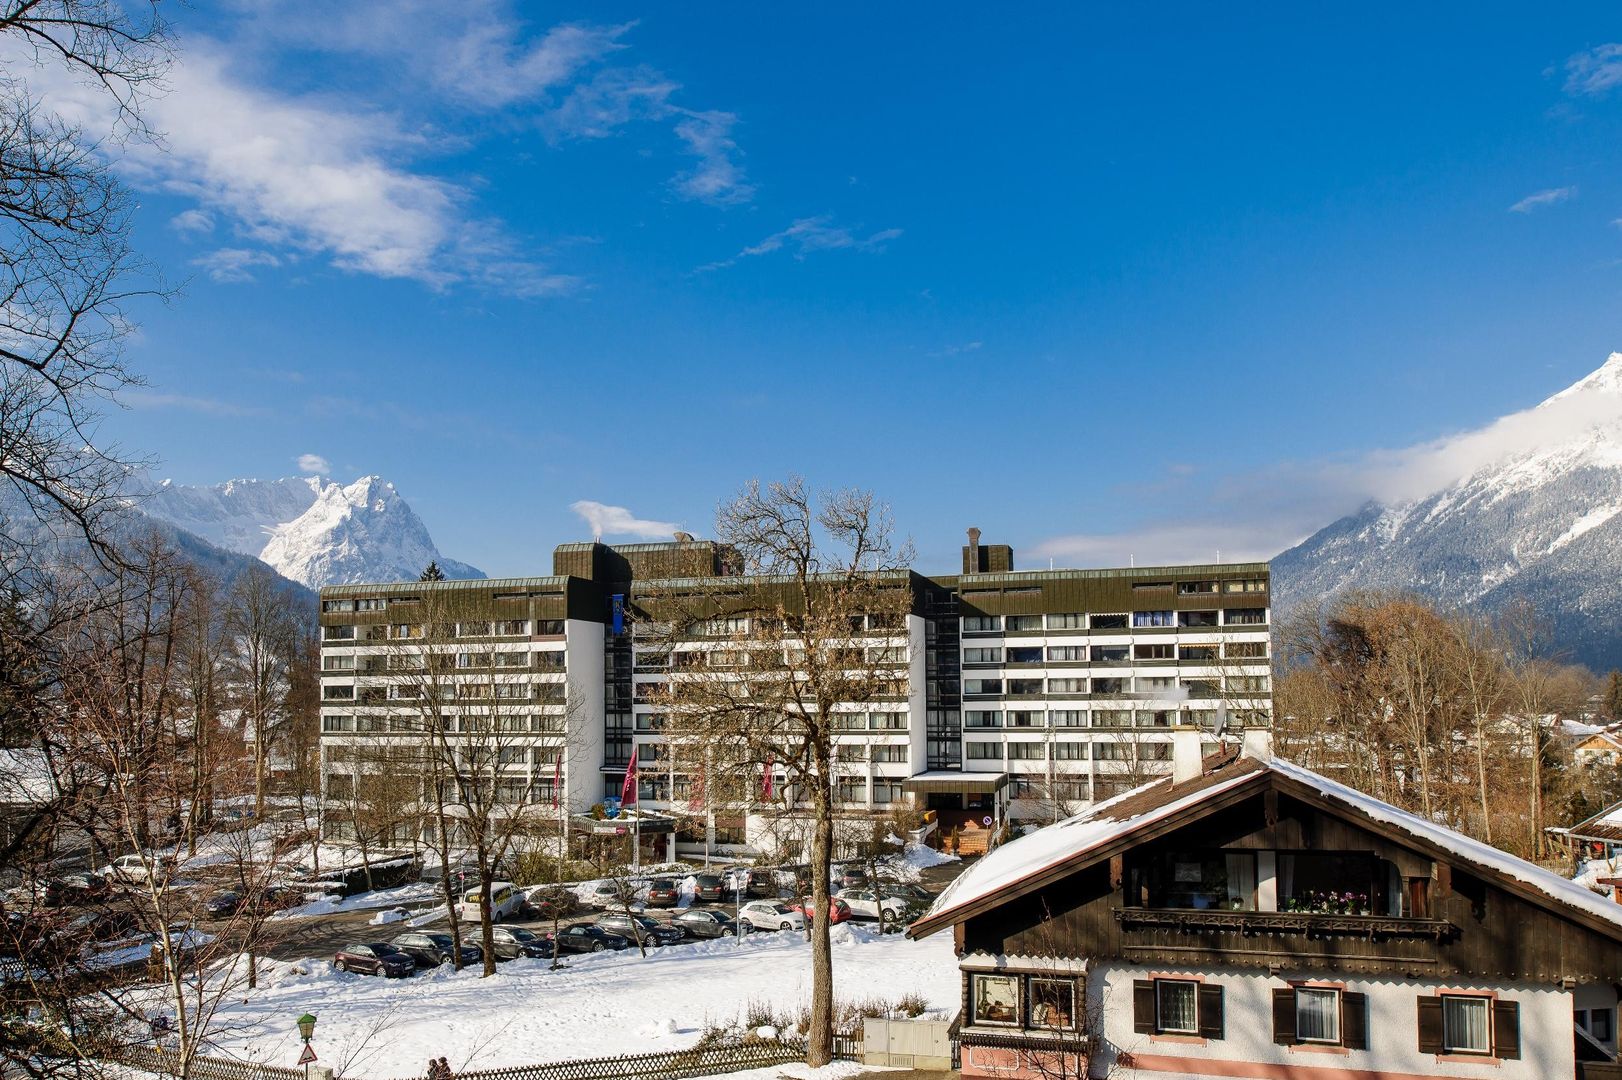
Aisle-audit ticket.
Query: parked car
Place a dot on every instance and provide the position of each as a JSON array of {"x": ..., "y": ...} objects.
[
  {"x": 433, "y": 949},
  {"x": 911, "y": 894},
  {"x": 613, "y": 894},
  {"x": 137, "y": 869},
  {"x": 374, "y": 958},
  {"x": 75, "y": 889},
  {"x": 99, "y": 926},
  {"x": 762, "y": 883},
  {"x": 552, "y": 900},
  {"x": 866, "y": 903},
  {"x": 700, "y": 923},
  {"x": 640, "y": 927},
  {"x": 838, "y": 910},
  {"x": 223, "y": 906},
  {"x": 587, "y": 937},
  {"x": 511, "y": 942},
  {"x": 23, "y": 934},
  {"x": 852, "y": 877},
  {"x": 771, "y": 915},
  {"x": 710, "y": 888},
  {"x": 663, "y": 892},
  {"x": 506, "y": 900},
  {"x": 282, "y": 897}
]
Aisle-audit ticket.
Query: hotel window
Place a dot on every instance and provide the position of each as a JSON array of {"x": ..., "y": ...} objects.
[
  {"x": 1025, "y": 751},
  {"x": 1196, "y": 618},
  {"x": 1177, "y": 1007},
  {"x": 1111, "y": 751},
  {"x": 850, "y": 721},
  {"x": 1108, "y": 622},
  {"x": 1251, "y": 585},
  {"x": 1110, "y": 654},
  {"x": 982, "y": 718},
  {"x": 1067, "y": 654},
  {"x": 1202, "y": 653},
  {"x": 338, "y": 633},
  {"x": 851, "y": 791},
  {"x": 1067, "y": 686},
  {"x": 1322, "y": 1016},
  {"x": 994, "y": 999},
  {"x": 1112, "y": 718},
  {"x": 1155, "y": 618},
  {"x": 371, "y": 604},
  {"x": 1024, "y": 687},
  {"x": 983, "y": 751},
  {"x": 337, "y": 605},
  {"x": 982, "y": 656},
  {"x": 982, "y": 686},
  {"x": 1075, "y": 621},
  {"x": 1250, "y": 683},
  {"x": 981, "y": 624},
  {"x": 1024, "y": 718},
  {"x": 1022, "y": 623},
  {"x": 1245, "y": 617},
  {"x": 889, "y": 754},
  {"x": 337, "y": 723},
  {"x": 1069, "y": 751},
  {"x": 1109, "y": 686},
  {"x": 1156, "y": 717},
  {"x": 1158, "y": 651},
  {"x": 887, "y": 721},
  {"x": 339, "y": 662},
  {"x": 1246, "y": 650},
  {"x": 1154, "y": 684},
  {"x": 549, "y": 628},
  {"x": 1195, "y": 588},
  {"x": 1068, "y": 718},
  {"x": 512, "y": 628},
  {"x": 1025, "y": 655},
  {"x": 338, "y": 693},
  {"x": 886, "y": 792},
  {"x": 1155, "y": 751}
]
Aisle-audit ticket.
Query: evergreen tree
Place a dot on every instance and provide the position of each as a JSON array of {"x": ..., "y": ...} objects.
[
  {"x": 432, "y": 572},
  {"x": 1612, "y": 700}
]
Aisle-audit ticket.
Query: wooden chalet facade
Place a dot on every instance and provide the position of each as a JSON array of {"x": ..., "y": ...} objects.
[{"x": 1249, "y": 918}]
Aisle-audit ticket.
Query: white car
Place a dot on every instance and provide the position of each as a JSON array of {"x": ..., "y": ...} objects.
[
  {"x": 865, "y": 902},
  {"x": 135, "y": 869},
  {"x": 771, "y": 915},
  {"x": 506, "y": 900}
]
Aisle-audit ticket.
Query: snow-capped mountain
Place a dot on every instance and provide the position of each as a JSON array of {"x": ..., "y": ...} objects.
[
  {"x": 314, "y": 531},
  {"x": 1543, "y": 523}
]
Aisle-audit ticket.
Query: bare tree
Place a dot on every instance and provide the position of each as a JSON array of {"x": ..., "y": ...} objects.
[
  {"x": 262, "y": 640},
  {"x": 764, "y": 665}
]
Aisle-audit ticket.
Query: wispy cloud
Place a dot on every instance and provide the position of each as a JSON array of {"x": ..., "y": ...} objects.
[
  {"x": 192, "y": 223},
  {"x": 314, "y": 464},
  {"x": 608, "y": 520},
  {"x": 234, "y": 264},
  {"x": 808, "y": 235},
  {"x": 1547, "y": 197},
  {"x": 151, "y": 399},
  {"x": 957, "y": 350},
  {"x": 1259, "y": 514},
  {"x": 717, "y": 178},
  {"x": 1594, "y": 71}
]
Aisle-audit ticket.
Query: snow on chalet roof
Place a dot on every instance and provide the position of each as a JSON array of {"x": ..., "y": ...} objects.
[
  {"x": 1093, "y": 829},
  {"x": 1605, "y": 825}
]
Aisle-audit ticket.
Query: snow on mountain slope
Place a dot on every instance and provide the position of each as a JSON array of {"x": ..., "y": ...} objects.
[
  {"x": 314, "y": 531},
  {"x": 1543, "y": 523}
]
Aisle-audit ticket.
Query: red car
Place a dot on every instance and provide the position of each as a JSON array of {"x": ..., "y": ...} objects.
[{"x": 838, "y": 910}]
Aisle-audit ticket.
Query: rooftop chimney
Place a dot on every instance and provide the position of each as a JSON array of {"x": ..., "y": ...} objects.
[
  {"x": 1257, "y": 743},
  {"x": 971, "y": 554},
  {"x": 1187, "y": 756}
]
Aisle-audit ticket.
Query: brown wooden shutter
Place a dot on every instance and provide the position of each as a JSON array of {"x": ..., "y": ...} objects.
[
  {"x": 1430, "y": 1025},
  {"x": 1210, "y": 1012},
  {"x": 1354, "y": 1021},
  {"x": 1506, "y": 1029},
  {"x": 1143, "y": 1006},
  {"x": 1284, "y": 1016}
]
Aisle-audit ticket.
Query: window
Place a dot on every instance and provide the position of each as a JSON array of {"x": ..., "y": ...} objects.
[
  {"x": 1464, "y": 1025},
  {"x": 1067, "y": 654},
  {"x": 1024, "y": 687},
  {"x": 1109, "y": 622},
  {"x": 1024, "y": 718},
  {"x": 1110, "y": 654},
  {"x": 982, "y": 656},
  {"x": 338, "y": 693},
  {"x": 338, "y": 662},
  {"x": 337, "y": 723},
  {"x": 1245, "y": 617},
  {"x": 982, "y": 718},
  {"x": 1112, "y": 718},
  {"x": 1151, "y": 586},
  {"x": 1022, "y": 623},
  {"x": 337, "y": 605},
  {"x": 1205, "y": 653},
  {"x": 890, "y": 753},
  {"x": 1070, "y": 751},
  {"x": 1155, "y": 618},
  {"x": 886, "y": 792},
  {"x": 1248, "y": 683},
  {"x": 338, "y": 633},
  {"x": 1196, "y": 618},
  {"x": 1317, "y": 1015},
  {"x": 1246, "y": 650},
  {"x": 1195, "y": 588},
  {"x": 1025, "y": 751},
  {"x": 1067, "y": 622},
  {"x": 1068, "y": 718},
  {"x": 1155, "y": 751},
  {"x": 1067, "y": 686},
  {"x": 995, "y": 999},
  {"x": 887, "y": 721},
  {"x": 982, "y": 686},
  {"x": 1158, "y": 651},
  {"x": 1159, "y": 685},
  {"x": 371, "y": 604},
  {"x": 1111, "y": 751},
  {"x": 1251, "y": 585},
  {"x": 1027, "y": 655},
  {"x": 1053, "y": 1003},
  {"x": 981, "y": 624},
  {"x": 983, "y": 751},
  {"x": 1109, "y": 686},
  {"x": 1176, "y": 1007}
]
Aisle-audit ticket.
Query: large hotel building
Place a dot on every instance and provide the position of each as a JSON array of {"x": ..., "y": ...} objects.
[{"x": 1020, "y": 695}]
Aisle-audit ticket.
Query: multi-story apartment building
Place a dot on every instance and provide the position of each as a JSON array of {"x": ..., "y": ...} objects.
[{"x": 1018, "y": 695}]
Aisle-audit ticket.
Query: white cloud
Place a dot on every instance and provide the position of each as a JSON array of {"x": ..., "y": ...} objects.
[
  {"x": 618, "y": 521},
  {"x": 149, "y": 399},
  {"x": 314, "y": 463},
  {"x": 233, "y": 265},
  {"x": 192, "y": 223},
  {"x": 1547, "y": 197},
  {"x": 809, "y": 235},
  {"x": 958, "y": 350},
  {"x": 1259, "y": 514},
  {"x": 1594, "y": 71},
  {"x": 717, "y": 178}
]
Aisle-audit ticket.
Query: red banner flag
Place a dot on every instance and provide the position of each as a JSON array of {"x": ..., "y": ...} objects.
[
  {"x": 766, "y": 780},
  {"x": 628, "y": 789},
  {"x": 557, "y": 779}
]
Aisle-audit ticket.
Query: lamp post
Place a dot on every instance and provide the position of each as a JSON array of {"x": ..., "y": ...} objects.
[{"x": 306, "y": 1029}]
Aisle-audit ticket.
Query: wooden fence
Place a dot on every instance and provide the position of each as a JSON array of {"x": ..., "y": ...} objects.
[{"x": 166, "y": 1062}]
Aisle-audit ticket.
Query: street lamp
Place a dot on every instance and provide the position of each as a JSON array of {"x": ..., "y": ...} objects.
[{"x": 306, "y": 1026}]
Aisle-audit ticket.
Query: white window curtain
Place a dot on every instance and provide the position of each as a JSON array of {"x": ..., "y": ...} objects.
[
  {"x": 1317, "y": 1015},
  {"x": 1464, "y": 1024},
  {"x": 1177, "y": 1005}
]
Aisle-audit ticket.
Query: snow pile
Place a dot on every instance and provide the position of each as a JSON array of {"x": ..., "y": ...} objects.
[
  {"x": 598, "y": 1005},
  {"x": 915, "y": 859},
  {"x": 389, "y": 917}
]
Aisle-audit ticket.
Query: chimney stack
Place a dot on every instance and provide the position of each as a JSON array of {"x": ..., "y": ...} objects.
[
  {"x": 1257, "y": 743},
  {"x": 1187, "y": 755}
]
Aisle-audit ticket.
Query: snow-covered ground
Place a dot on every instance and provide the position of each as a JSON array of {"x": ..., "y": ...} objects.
[{"x": 597, "y": 1005}]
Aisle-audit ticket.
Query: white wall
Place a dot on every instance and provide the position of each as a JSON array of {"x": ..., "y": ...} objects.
[
  {"x": 582, "y": 781},
  {"x": 1545, "y": 1013}
]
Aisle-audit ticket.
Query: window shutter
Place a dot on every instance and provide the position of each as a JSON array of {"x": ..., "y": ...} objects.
[
  {"x": 1143, "y": 1006},
  {"x": 1430, "y": 1025},
  {"x": 1506, "y": 1029},
  {"x": 1210, "y": 1013},
  {"x": 1284, "y": 1016},
  {"x": 1354, "y": 1021}
]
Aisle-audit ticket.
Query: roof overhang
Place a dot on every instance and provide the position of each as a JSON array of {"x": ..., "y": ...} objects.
[{"x": 955, "y": 783}]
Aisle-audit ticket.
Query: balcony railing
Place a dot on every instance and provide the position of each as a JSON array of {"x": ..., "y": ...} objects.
[{"x": 1311, "y": 924}]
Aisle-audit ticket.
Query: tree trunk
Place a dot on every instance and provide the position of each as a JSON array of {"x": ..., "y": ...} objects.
[{"x": 819, "y": 1041}]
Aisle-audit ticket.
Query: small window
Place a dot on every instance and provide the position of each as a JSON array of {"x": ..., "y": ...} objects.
[
  {"x": 1195, "y": 588},
  {"x": 1025, "y": 655},
  {"x": 1317, "y": 1015},
  {"x": 1022, "y": 623},
  {"x": 1109, "y": 622},
  {"x": 981, "y": 624},
  {"x": 1067, "y": 622},
  {"x": 1176, "y": 1007},
  {"x": 1053, "y": 1004},
  {"x": 1599, "y": 1024},
  {"x": 996, "y": 999},
  {"x": 1157, "y": 618},
  {"x": 1465, "y": 1025}
]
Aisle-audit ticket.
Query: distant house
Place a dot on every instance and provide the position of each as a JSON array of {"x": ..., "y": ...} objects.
[
  {"x": 1598, "y": 837},
  {"x": 1598, "y": 747},
  {"x": 1246, "y": 917}
]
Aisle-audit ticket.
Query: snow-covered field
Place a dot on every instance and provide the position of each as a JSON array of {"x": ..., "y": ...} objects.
[{"x": 597, "y": 1005}]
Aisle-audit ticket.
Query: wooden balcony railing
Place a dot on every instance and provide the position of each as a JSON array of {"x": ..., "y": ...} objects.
[{"x": 1310, "y": 924}]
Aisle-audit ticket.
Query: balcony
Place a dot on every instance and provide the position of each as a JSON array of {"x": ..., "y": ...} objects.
[{"x": 1313, "y": 925}]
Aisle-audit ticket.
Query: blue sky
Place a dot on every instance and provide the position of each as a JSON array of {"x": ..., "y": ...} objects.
[{"x": 1108, "y": 284}]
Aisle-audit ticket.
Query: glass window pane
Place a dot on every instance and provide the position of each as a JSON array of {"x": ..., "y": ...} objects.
[
  {"x": 1176, "y": 1006},
  {"x": 1053, "y": 1003},
  {"x": 1317, "y": 1015},
  {"x": 996, "y": 999},
  {"x": 1464, "y": 1025}
]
